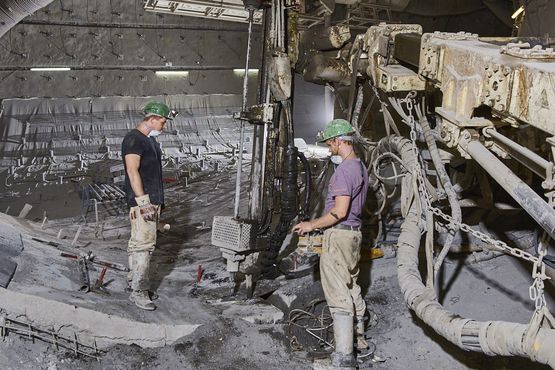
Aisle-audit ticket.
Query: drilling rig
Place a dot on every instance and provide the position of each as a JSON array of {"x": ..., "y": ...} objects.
[{"x": 461, "y": 122}]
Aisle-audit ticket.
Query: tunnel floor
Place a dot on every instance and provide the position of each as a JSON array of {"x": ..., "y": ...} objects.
[{"x": 230, "y": 331}]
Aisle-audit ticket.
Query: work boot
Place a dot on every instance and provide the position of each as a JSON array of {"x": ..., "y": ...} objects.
[
  {"x": 142, "y": 300},
  {"x": 343, "y": 334},
  {"x": 153, "y": 295},
  {"x": 362, "y": 344},
  {"x": 140, "y": 282}
]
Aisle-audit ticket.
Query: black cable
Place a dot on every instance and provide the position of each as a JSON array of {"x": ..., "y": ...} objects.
[
  {"x": 549, "y": 260},
  {"x": 308, "y": 186}
]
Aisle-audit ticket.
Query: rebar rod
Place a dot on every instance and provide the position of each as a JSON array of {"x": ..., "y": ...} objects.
[{"x": 32, "y": 332}]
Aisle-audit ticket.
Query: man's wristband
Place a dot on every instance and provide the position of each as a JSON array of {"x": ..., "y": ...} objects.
[{"x": 143, "y": 200}]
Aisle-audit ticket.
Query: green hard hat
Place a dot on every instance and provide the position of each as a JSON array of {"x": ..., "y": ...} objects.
[
  {"x": 335, "y": 128},
  {"x": 158, "y": 109}
]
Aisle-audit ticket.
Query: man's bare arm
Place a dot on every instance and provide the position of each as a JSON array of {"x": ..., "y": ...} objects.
[
  {"x": 148, "y": 211},
  {"x": 334, "y": 216},
  {"x": 133, "y": 162}
]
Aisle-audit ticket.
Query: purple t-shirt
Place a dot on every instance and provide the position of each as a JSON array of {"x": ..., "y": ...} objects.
[{"x": 350, "y": 178}]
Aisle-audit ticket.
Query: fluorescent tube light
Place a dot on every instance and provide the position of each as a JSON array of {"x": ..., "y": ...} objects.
[
  {"x": 172, "y": 73},
  {"x": 518, "y": 11},
  {"x": 242, "y": 70},
  {"x": 50, "y": 69}
]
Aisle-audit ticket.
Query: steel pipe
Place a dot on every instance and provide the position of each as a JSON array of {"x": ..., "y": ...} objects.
[
  {"x": 258, "y": 174},
  {"x": 11, "y": 68},
  {"x": 160, "y": 26},
  {"x": 243, "y": 108},
  {"x": 520, "y": 153},
  {"x": 528, "y": 199}
]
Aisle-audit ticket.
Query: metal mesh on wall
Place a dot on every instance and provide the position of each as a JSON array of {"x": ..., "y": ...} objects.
[{"x": 35, "y": 128}]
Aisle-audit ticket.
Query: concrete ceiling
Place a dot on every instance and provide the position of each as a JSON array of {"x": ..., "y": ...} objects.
[{"x": 114, "y": 47}]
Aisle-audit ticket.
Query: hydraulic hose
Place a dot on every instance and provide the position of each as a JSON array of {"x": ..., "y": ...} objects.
[
  {"x": 447, "y": 186},
  {"x": 308, "y": 186},
  {"x": 490, "y": 337},
  {"x": 289, "y": 199},
  {"x": 289, "y": 188},
  {"x": 289, "y": 191}
]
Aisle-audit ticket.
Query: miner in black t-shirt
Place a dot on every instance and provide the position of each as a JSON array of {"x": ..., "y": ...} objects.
[{"x": 142, "y": 158}]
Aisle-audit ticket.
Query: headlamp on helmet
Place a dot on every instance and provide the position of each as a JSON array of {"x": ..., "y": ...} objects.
[{"x": 155, "y": 108}]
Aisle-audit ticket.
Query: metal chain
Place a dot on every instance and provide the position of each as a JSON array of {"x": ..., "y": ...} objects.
[
  {"x": 497, "y": 244},
  {"x": 538, "y": 274},
  {"x": 418, "y": 167},
  {"x": 536, "y": 290}
]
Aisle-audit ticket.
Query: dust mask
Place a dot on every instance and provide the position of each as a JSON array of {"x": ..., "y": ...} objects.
[
  {"x": 154, "y": 133},
  {"x": 336, "y": 159}
]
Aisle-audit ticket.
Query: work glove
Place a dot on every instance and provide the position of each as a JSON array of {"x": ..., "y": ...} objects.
[{"x": 147, "y": 209}]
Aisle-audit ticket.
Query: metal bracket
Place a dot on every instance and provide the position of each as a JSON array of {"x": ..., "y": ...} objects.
[
  {"x": 451, "y": 125},
  {"x": 257, "y": 114},
  {"x": 465, "y": 137},
  {"x": 395, "y": 77},
  {"x": 492, "y": 145}
]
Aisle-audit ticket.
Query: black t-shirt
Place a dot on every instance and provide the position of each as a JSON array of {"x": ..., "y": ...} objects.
[{"x": 150, "y": 168}]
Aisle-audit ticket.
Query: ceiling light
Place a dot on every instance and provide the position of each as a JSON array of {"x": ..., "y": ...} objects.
[
  {"x": 518, "y": 11},
  {"x": 172, "y": 73},
  {"x": 242, "y": 70},
  {"x": 50, "y": 69}
]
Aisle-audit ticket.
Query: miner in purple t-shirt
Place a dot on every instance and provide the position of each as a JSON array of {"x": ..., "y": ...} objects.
[{"x": 342, "y": 239}]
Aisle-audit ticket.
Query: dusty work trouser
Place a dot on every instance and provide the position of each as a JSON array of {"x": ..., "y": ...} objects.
[
  {"x": 142, "y": 240},
  {"x": 339, "y": 271}
]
